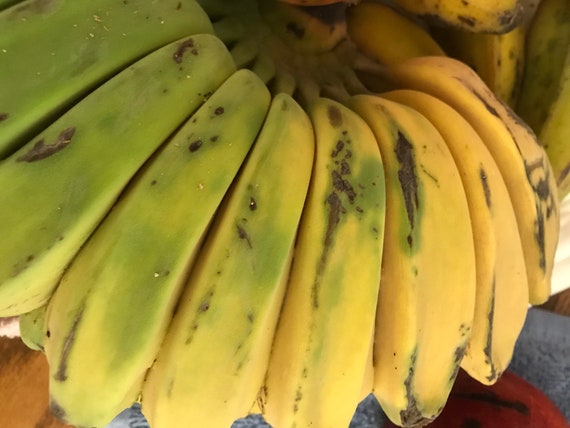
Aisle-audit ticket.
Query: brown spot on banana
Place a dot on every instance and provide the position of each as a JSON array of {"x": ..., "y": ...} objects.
[
  {"x": 4, "y": 116},
  {"x": 182, "y": 48},
  {"x": 41, "y": 150},
  {"x": 295, "y": 29},
  {"x": 202, "y": 308},
  {"x": 57, "y": 411},
  {"x": 335, "y": 116},
  {"x": 411, "y": 415},
  {"x": 242, "y": 234}
]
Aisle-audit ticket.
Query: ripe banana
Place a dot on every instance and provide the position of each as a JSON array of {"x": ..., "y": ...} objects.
[
  {"x": 139, "y": 258},
  {"x": 502, "y": 290},
  {"x": 57, "y": 51},
  {"x": 523, "y": 163},
  {"x": 213, "y": 360},
  {"x": 481, "y": 16},
  {"x": 32, "y": 328},
  {"x": 386, "y": 35},
  {"x": 77, "y": 167},
  {"x": 427, "y": 289},
  {"x": 545, "y": 95},
  {"x": 497, "y": 58},
  {"x": 321, "y": 347}
]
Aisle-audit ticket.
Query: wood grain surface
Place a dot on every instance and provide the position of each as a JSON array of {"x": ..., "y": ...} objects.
[{"x": 24, "y": 401}]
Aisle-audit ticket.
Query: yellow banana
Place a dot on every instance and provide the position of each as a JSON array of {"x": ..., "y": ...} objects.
[
  {"x": 321, "y": 347},
  {"x": 427, "y": 289},
  {"x": 213, "y": 360},
  {"x": 502, "y": 290},
  {"x": 111, "y": 310},
  {"x": 386, "y": 35},
  {"x": 481, "y": 16},
  {"x": 497, "y": 58},
  {"x": 523, "y": 163}
]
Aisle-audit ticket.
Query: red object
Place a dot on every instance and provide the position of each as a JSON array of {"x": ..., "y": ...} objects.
[{"x": 511, "y": 402}]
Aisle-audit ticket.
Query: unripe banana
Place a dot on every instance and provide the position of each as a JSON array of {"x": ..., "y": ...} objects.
[
  {"x": 32, "y": 330},
  {"x": 321, "y": 349},
  {"x": 52, "y": 53},
  {"x": 139, "y": 258},
  {"x": 77, "y": 167},
  {"x": 213, "y": 360},
  {"x": 427, "y": 288}
]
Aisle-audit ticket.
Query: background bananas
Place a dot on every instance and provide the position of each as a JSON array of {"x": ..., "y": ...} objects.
[{"x": 220, "y": 208}]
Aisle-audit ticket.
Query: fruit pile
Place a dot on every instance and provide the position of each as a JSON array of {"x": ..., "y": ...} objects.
[{"x": 218, "y": 208}]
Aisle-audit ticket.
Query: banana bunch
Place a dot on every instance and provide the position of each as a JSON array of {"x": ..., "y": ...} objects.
[{"x": 221, "y": 208}]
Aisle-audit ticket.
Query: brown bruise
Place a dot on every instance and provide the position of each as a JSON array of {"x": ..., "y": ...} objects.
[
  {"x": 182, "y": 48},
  {"x": 40, "y": 150},
  {"x": 488, "y": 350}
]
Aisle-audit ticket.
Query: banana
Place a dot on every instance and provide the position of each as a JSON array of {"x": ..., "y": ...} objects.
[
  {"x": 60, "y": 184},
  {"x": 32, "y": 328},
  {"x": 427, "y": 289},
  {"x": 388, "y": 36},
  {"x": 213, "y": 360},
  {"x": 114, "y": 303},
  {"x": 5, "y": 4},
  {"x": 545, "y": 97},
  {"x": 497, "y": 58},
  {"x": 481, "y": 16},
  {"x": 523, "y": 163},
  {"x": 57, "y": 51},
  {"x": 502, "y": 290},
  {"x": 555, "y": 133},
  {"x": 321, "y": 347},
  {"x": 548, "y": 38}
]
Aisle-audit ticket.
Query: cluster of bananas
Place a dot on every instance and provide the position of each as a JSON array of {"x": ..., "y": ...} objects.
[{"x": 219, "y": 208}]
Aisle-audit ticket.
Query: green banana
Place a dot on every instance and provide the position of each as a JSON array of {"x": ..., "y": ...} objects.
[
  {"x": 61, "y": 184},
  {"x": 555, "y": 133},
  {"x": 139, "y": 258},
  {"x": 225, "y": 320},
  {"x": 547, "y": 40},
  {"x": 545, "y": 95},
  {"x": 321, "y": 349},
  {"x": 32, "y": 328},
  {"x": 54, "y": 52},
  {"x": 5, "y": 4}
]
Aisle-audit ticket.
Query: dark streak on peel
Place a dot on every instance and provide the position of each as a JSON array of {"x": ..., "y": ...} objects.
[
  {"x": 488, "y": 350},
  {"x": 485, "y": 185},
  {"x": 42, "y": 151},
  {"x": 408, "y": 179},
  {"x": 57, "y": 411},
  {"x": 411, "y": 416},
  {"x": 61, "y": 374}
]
